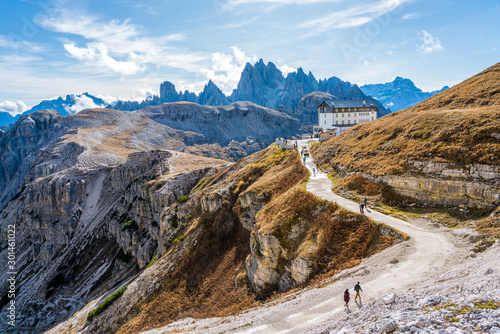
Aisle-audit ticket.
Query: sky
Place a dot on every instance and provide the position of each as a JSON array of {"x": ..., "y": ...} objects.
[{"x": 124, "y": 49}]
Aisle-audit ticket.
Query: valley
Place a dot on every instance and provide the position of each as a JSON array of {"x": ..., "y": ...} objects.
[{"x": 189, "y": 218}]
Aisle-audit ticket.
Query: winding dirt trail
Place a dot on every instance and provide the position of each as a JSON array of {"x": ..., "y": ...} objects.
[{"x": 431, "y": 250}]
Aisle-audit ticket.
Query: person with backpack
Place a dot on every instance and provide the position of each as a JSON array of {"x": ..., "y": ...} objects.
[
  {"x": 361, "y": 206},
  {"x": 347, "y": 297},
  {"x": 357, "y": 288}
]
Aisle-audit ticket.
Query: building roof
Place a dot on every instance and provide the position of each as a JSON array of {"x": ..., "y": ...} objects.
[{"x": 349, "y": 104}]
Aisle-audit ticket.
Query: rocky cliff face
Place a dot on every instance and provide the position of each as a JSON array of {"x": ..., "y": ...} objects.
[
  {"x": 164, "y": 227},
  {"x": 80, "y": 232}
]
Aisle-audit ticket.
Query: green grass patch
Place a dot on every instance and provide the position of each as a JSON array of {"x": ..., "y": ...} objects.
[
  {"x": 178, "y": 239},
  {"x": 182, "y": 199},
  {"x": 201, "y": 184},
  {"x": 152, "y": 262},
  {"x": 130, "y": 225},
  {"x": 105, "y": 304}
]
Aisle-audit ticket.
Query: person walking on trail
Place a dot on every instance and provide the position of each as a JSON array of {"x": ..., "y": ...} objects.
[
  {"x": 347, "y": 298},
  {"x": 361, "y": 206},
  {"x": 314, "y": 171},
  {"x": 357, "y": 288},
  {"x": 364, "y": 201}
]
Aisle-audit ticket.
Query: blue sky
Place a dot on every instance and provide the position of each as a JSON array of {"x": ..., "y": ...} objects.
[{"x": 126, "y": 48}]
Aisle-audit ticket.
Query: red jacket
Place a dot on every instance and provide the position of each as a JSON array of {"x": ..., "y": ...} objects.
[{"x": 346, "y": 297}]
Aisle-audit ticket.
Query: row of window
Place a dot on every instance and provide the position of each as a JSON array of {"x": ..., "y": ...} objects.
[
  {"x": 349, "y": 121},
  {"x": 360, "y": 114},
  {"x": 344, "y": 109}
]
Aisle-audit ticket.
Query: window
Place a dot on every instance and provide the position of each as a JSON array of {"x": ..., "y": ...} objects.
[
  {"x": 372, "y": 118},
  {"x": 354, "y": 114},
  {"x": 342, "y": 114},
  {"x": 348, "y": 115},
  {"x": 336, "y": 122},
  {"x": 348, "y": 121},
  {"x": 342, "y": 121}
]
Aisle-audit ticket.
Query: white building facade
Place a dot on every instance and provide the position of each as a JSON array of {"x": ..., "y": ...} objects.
[{"x": 342, "y": 115}]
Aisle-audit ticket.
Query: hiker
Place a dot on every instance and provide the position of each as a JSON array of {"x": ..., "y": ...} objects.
[
  {"x": 347, "y": 298},
  {"x": 364, "y": 201},
  {"x": 314, "y": 171},
  {"x": 357, "y": 288},
  {"x": 361, "y": 207},
  {"x": 304, "y": 159}
]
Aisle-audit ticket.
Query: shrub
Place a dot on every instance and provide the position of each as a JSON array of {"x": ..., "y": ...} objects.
[
  {"x": 153, "y": 260},
  {"x": 159, "y": 185},
  {"x": 154, "y": 223},
  {"x": 361, "y": 185},
  {"x": 130, "y": 225},
  {"x": 183, "y": 199},
  {"x": 154, "y": 176},
  {"x": 178, "y": 239},
  {"x": 104, "y": 305}
]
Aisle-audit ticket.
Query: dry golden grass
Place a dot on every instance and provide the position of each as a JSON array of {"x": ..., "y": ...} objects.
[
  {"x": 387, "y": 145},
  {"x": 460, "y": 126},
  {"x": 483, "y": 89},
  {"x": 203, "y": 283}
]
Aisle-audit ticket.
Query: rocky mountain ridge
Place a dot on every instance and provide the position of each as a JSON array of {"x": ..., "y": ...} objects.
[
  {"x": 44, "y": 142},
  {"x": 259, "y": 83}
]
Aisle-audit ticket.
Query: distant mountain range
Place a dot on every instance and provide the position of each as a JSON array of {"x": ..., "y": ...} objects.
[
  {"x": 72, "y": 104},
  {"x": 262, "y": 84},
  {"x": 398, "y": 94}
]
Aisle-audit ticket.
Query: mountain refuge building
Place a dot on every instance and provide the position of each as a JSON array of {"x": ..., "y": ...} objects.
[{"x": 343, "y": 114}]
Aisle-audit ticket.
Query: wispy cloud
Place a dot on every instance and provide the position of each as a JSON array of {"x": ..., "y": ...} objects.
[
  {"x": 429, "y": 44},
  {"x": 121, "y": 47},
  {"x": 231, "y": 4},
  {"x": 20, "y": 45},
  {"x": 353, "y": 16},
  {"x": 413, "y": 15}
]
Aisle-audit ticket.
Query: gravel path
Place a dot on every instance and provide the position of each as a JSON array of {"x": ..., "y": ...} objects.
[{"x": 431, "y": 250}]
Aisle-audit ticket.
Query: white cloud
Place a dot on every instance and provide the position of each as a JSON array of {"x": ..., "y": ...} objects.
[
  {"x": 410, "y": 16},
  {"x": 121, "y": 47},
  {"x": 226, "y": 68},
  {"x": 13, "y": 107},
  {"x": 82, "y": 102},
  {"x": 231, "y": 4},
  {"x": 97, "y": 54},
  {"x": 353, "y": 16},
  {"x": 285, "y": 69},
  {"x": 108, "y": 99},
  {"x": 23, "y": 45},
  {"x": 429, "y": 44}
]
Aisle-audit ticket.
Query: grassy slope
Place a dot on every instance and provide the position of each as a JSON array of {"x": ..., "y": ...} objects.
[
  {"x": 460, "y": 125},
  {"x": 203, "y": 283}
]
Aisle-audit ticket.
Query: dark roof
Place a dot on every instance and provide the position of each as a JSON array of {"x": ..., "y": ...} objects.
[{"x": 349, "y": 104}]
